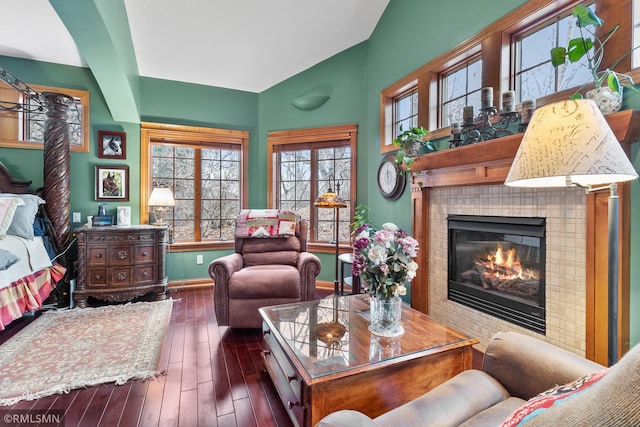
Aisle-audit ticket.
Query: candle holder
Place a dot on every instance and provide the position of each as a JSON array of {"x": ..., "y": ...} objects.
[{"x": 482, "y": 129}]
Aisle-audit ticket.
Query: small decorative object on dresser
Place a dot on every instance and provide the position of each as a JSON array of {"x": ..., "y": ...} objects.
[
  {"x": 117, "y": 263},
  {"x": 124, "y": 215}
]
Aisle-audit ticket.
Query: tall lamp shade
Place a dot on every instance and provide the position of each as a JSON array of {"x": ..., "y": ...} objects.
[
  {"x": 331, "y": 200},
  {"x": 570, "y": 143}
]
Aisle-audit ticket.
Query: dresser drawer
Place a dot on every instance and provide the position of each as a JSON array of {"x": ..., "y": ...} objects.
[
  {"x": 284, "y": 379},
  {"x": 98, "y": 255},
  {"x": 97, "y": 277},
  {"x": 145, "y": 253},
  {"x": 121, "y": 255},
  {"x": 121, "y": 276},
  {"x": 144, "y": 274}
]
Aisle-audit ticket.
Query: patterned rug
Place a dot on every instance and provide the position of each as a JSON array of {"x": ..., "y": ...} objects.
[{"x": 64, "y": 350}]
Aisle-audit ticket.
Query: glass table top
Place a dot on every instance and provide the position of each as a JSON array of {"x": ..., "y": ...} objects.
[{"x": 331, "y": 335}]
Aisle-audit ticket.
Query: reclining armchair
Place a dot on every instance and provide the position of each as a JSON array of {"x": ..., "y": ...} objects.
[{"x": 267, "y": 270}]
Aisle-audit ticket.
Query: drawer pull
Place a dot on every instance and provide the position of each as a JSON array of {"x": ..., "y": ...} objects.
[
  {"x": 291, "y": 377},
  {"x": 266, "y": 352},
  {"x": 98, "y": 277},
  {"x": 145, "y": 274},
  {"x": 145, "y": 253},
  {"x": 122, "y": 255},
  {"x": 122, "y": 276},
  {"x": 291, "y": 404},
  {"x": 98, "y": 255}
]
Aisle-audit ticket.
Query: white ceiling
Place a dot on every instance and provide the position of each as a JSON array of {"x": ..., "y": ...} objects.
[{"x": 247, "y": 45}]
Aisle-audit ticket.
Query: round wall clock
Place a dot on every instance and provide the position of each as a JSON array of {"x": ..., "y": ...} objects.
[{"x": 391, "y": 178}]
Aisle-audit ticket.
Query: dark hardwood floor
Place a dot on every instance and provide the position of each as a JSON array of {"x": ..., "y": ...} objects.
[{"x": 214, "y": 377}]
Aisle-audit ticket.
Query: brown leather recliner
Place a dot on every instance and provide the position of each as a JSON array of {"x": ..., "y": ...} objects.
[{"x": 263, "y": 272}]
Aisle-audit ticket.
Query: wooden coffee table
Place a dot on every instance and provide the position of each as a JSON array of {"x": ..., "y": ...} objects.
[{"x": 360, "y": 371}]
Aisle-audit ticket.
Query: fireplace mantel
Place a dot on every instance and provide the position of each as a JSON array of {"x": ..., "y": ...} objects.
[{"x": 488, "y": 163}]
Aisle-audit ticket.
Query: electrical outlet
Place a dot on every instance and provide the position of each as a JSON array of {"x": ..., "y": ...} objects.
[
  {"x": 77, "y": 217},
  {"x": 199, "y": 259}
]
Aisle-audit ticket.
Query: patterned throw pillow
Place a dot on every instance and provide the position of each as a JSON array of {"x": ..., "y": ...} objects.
[
  {"x": 8, "y": 207},
  {"x": 550, "y": 398}
]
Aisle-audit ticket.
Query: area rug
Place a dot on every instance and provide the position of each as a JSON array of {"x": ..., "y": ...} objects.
[{"x": 65, "y": 350}]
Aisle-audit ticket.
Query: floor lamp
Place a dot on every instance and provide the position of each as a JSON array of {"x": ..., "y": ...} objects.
[
  {"x": 329, "y": 332},
  {"x": 333, "y": 201},
  {"x": 567, "y": 144}
]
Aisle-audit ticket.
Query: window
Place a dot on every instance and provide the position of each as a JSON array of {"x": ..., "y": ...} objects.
[
  {"x": 514, "y": 53},
  {"x": 535, "y": 76},
  {"x": 303, "y": 165},
  {"x": 405, "y": 112},
  {"x": 460, "y": 86},
  {"x": 25, "y": 128},
  {"x": 205, "y": 169}
]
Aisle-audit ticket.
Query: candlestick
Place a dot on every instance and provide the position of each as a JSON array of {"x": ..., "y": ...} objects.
[
  {"x": 508, "y": 101},
  {"x": 455, "y": 128},
  {"x": 486, "y": 97},
  {"x": 528, "y": 107},
  {"x": 467, "y": 114}
]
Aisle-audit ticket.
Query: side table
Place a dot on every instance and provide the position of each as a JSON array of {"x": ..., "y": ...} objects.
[{"x": 346, "y": 259}]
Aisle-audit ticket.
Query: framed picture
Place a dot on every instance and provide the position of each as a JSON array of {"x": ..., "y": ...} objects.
[
  {"x": 124, "y": 215},
  {"x": 112, "y": 145},
  {"x": 112, "y": 183}
]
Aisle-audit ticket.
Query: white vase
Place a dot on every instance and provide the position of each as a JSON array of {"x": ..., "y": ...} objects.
[
  {"x": 386, "y": 316},
  {"x": 608, "y": 100}
]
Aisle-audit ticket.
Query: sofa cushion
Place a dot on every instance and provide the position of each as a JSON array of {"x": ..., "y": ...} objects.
[
  {"x": 277, "y": 257},
  {"x": 449, "y": 404},
  {"x": 271, "y": 251},
  {"x": 494, "y": 415},
  {"x": 265, "y": 281},
  {"x": 608, "y": 398}
]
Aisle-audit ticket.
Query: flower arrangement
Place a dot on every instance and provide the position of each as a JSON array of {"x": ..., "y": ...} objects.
[{"x": 384, "y": 259}]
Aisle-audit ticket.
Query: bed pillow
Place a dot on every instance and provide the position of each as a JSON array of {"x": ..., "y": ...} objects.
[
  {"x": 8, "y": 207},
  {"x": 7, "y": 259},
  {"x": 22, "y": 224}
]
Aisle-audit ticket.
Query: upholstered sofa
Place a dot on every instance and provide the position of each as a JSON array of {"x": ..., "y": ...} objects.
[
  {"x": 262, "y": 272},
  {"x": 508, "y": 391}
]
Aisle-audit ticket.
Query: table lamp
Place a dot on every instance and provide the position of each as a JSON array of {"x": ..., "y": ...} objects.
[
  {"x": 161, "y": 200},
  {"x": 567, "y": 144}
]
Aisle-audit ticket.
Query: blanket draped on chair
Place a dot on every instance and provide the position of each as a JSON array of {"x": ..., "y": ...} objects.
[{"x": 266, "y": 223}]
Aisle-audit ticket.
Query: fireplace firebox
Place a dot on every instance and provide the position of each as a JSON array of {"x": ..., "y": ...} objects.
[{"x": 497, "y": 266}]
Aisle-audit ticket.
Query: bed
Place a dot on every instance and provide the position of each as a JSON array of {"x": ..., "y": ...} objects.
[{"x": 30, "y": 262}]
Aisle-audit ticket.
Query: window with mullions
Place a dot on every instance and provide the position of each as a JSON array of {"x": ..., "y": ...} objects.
[
  {"x": 33, "y": 123},
  {"x": 405, "y": 112},
  {"x": 535, "y": 76},
  {"x": 306, "y": 173},
  {"x": 207, "y": 189},
  {"x": 460, "y": 87}
]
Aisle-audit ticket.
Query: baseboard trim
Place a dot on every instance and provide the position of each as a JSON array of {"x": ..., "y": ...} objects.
[{"x": 176, "y": 285}]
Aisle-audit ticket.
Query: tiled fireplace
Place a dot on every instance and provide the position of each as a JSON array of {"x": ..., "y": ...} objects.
[{"x": 564, "y": 214}]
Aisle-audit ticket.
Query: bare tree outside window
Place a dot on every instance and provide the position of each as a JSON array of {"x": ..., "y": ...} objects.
[
  {"x": 535, "y": 76},
  {"x": 461, "y": 87}
]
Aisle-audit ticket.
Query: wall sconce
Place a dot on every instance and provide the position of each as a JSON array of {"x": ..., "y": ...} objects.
[{"x": 161, "y": 200}]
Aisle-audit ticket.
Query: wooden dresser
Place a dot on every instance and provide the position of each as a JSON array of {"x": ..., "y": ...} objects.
[{"x": 118, "y": 263}]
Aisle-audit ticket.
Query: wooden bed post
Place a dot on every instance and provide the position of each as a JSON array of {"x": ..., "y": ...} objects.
[{"x": 56, "y": 165}]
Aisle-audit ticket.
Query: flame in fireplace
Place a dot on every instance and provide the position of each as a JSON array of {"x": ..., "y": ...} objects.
[{"x": 505, "y": 265}]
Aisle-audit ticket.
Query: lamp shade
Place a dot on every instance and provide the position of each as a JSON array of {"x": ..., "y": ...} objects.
[
  {"x": 568, "y": 143},
  {"x": 330, "y": 200},
  {"x": 161, "y": 197}
]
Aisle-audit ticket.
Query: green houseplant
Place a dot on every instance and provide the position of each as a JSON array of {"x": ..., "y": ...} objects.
[
  {"x": 409, "y": 142},
  {"x": 591, "y": 47}
]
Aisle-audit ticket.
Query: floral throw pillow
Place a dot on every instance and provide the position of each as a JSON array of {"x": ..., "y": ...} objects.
[{"x": 550, "y": 398}]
